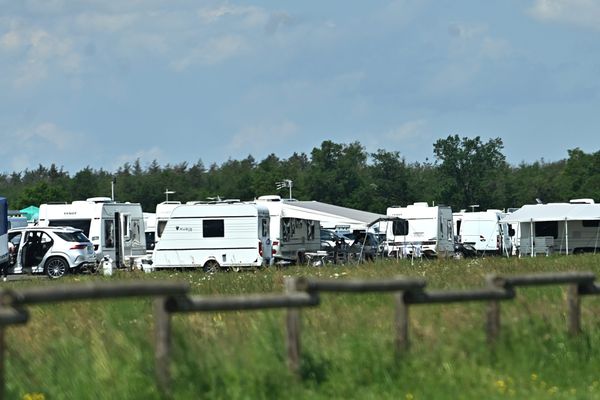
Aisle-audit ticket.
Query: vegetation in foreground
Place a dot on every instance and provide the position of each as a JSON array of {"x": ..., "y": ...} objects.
[{"x": 104, "y": 349}]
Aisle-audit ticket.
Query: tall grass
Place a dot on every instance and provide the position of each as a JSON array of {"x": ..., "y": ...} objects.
[{"x": 104, "y": 349}]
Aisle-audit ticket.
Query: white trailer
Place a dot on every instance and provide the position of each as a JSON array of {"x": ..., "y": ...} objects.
[
  {"x": 430, "y": 231},
  {"x": 561, "y": 228},
  {"x": 482, "y": 230},
  {"x": 292, "y": 234},
  {"x": 215, "y": 236},
  {"x": 96, "y": 218},
  {"x": 163, "y": 212}
]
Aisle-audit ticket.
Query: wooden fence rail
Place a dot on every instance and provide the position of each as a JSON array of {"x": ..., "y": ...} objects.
[{"x": 173, "y": 298}]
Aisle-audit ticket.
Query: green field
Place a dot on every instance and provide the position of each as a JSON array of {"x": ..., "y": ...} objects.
[{"x": 104, "y": 349}]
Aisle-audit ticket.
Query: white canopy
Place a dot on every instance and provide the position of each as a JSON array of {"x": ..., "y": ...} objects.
[{"x": 554, "y": 212}]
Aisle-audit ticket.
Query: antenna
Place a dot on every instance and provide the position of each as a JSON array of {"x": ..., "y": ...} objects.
[
  {"x": 283, "y": 184},
  {"x": 474, "y": 206},
  {"x": 168, "y": 192}
]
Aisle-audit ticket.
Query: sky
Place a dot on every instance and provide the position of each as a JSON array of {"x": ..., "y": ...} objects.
[{"x": 98, "y": 83}]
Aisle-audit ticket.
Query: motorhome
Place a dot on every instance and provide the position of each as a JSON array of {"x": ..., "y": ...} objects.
[
  {"x": 556, "y": 228},
  {"x": 482, "y": 230},
  {"x": 215, "y": 237},
  {"x": 292, "y": 234},
  {"x": 105, "y": 223},
  {"x": 430, "y": 231}
]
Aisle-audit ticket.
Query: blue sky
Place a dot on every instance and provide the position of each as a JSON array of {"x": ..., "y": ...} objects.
[{"x": 102, "y": 82}]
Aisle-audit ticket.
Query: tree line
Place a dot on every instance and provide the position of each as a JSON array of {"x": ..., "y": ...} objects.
[{"x": 465, "y": 171}]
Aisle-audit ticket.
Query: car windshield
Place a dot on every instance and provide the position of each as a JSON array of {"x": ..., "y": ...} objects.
[{"x": 73, "y": 236}]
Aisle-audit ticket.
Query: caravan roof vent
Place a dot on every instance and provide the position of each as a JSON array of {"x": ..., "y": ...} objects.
[
  {"x": 270, "y": 197},
  {"x": 99, "y": 199},
  {"x": 581, "y": 201},
  {"x": 421, "y": 204}
]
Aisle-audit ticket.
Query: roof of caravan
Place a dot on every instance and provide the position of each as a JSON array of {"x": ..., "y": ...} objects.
[
  {"x": 325, "y": 211},
  {"x": 217, "y": 210},
  {"x": 554, "y": 212}
]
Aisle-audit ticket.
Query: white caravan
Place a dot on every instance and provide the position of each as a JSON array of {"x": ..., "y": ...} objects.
[
  {"x": 163, "y": 212},
  {"x": 215, "y": 236},
  {"x": 482, "y": 230},
  {"x": 561, "y": 228},
  {"x": 292, "y": 234},
  {"x": 96, "y": 218},
  {"x": 430, "y": 231}
]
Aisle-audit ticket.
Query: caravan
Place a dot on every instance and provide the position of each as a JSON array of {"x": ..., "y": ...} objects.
[
  {"x": 556, "y": 228},
  {"x": 292, "y": 234},
  {"x": 430, "y": 231},
  {"x": 482, "y": 230},
  {"x": 96, "y": 217},
  {"x": 214, "y": 237}
]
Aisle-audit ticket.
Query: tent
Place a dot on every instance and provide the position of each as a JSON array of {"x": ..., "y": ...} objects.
[
  {"x": 573, "y": 226},
  {"x": 31, "y": 213}
]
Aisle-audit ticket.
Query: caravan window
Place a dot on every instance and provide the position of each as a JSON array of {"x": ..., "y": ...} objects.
[
  {"x": 213, "y": 228},
  {"x": 546, "y": 228},
  {"x": 83, "y": 224},
  {"x": 160, "y": 227},
  {"x": 310, "y": 230},
  {"x": 265, "y": 228},
  {"x": 109, "y": 234},
  {"x": 126, "y": 231},
  {"x": 590, "y": 223}
]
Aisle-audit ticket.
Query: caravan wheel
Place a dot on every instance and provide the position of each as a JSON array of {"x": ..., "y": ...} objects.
[{"x": 211, "y": 266}]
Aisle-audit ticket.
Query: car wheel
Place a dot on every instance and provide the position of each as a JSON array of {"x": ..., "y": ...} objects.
[
  {"x": 56, "y": 267},
  {"x": 211, "y": 266}
]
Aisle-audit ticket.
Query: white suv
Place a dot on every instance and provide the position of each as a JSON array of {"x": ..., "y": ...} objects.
[{"x": 55, "y": 251}]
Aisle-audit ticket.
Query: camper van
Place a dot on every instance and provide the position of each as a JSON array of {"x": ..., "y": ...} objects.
[
  {"x": 96, "y": 217},
  {"x": 482, "y": 230},
  {"x": 215, "y": 237},
  {"x": 292, "y": 235},
  {"x": 430, "y": 231}
]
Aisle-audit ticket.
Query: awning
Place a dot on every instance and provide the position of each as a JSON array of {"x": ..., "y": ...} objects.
[{"x": 554, "y": 212}]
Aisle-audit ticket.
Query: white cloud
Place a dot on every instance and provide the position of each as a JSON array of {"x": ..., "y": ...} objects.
[
  {"x": 106, "y": 22},
  {"x": 146, "y": 156},
  {"x": 247, "y": 16},
  {"x": 215, "y": 50},
  {"x": 406, "y": 131},
  {"x": 260, "y": 137},
  {"x": 40, "y": 143},
  {"x": 583, "y": 13},
  {"x": 10, "y": 41}
]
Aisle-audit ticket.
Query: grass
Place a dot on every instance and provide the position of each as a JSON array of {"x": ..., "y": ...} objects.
[{"x": 104, "y": 349}]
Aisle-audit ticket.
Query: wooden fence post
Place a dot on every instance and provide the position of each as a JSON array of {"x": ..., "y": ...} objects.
[
  {"x": 401, "y": 324},
  {"x": 492, "y": 326},
  {"x": 573, "y": 310},
  {"x": 292, "y": 330},
  {"x": 162, "y": 351}
]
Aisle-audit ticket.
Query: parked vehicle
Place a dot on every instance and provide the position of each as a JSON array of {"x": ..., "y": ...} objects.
[
  {"x": 54, "y": 251},
  {"x": 561, "y": 228},
  {"x": 105, "y": 223},
  {"x": 483, "y": 230},
  {"x": 214, "y": 237},
  {"x": 4, "y": 254},
  {"x": 17, "y": 222},
  {"x": 292, "y": 234},
  {"x": 430, "y": 231},
  {"x": 163, "y": 212}
]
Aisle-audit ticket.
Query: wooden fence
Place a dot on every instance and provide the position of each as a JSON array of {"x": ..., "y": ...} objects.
[{"x": 174, "y": 298}]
